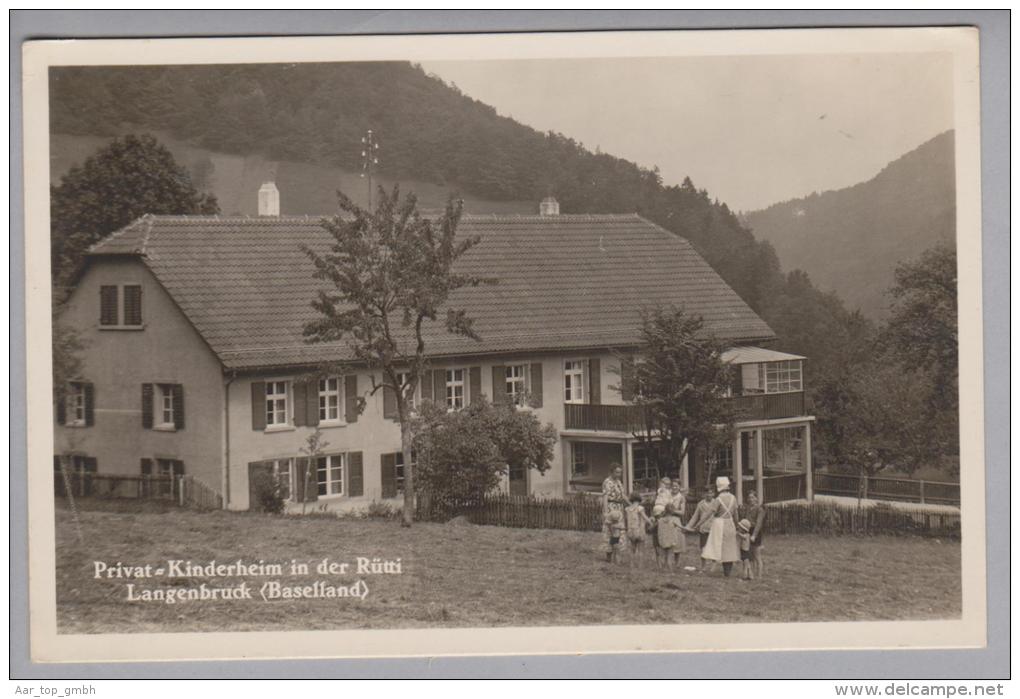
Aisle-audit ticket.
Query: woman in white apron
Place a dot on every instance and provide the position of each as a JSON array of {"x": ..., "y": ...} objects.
[{"x": 722, "y": 543}]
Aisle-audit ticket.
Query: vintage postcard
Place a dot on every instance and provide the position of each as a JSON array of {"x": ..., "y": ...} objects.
[{"x": 504, "y": 344}]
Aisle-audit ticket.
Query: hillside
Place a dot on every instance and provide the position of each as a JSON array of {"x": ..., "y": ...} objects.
[{"x": 850, "y": 240}]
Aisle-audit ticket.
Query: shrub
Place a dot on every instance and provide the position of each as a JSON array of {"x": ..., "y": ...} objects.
[{"x": 268, "y": 497}]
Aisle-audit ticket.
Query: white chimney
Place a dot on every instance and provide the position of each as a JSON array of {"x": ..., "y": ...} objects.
[
  {"x": 549, "y": 207},
  {"x": 269, "y": 199}
]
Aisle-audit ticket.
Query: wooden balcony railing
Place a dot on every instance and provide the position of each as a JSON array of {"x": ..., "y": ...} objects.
[{"x": 769, "y": 406}]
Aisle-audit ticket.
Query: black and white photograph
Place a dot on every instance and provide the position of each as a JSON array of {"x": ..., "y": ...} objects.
[{"x": 609, "y": 342}]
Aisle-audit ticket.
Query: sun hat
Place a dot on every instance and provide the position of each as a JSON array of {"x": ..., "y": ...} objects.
[
  {"x": 744, "y": 524},
  {"x": 722, "y": 483}
]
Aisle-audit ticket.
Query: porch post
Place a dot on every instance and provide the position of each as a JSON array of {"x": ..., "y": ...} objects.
[
  {"x": 685, "y": 478},
  {"x": 759, "y": 467},
  {"x": 809, "y": 484},
  {"x": 738, "y": 467},
  {"x": 628, "y": 465}
]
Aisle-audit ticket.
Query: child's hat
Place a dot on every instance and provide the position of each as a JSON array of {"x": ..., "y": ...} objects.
[
  {"x": 744, "y": 524},
  {"x": 722, "y": 483}
]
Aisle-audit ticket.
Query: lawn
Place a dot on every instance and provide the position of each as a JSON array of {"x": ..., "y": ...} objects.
[{"x": 467, "y": 575}]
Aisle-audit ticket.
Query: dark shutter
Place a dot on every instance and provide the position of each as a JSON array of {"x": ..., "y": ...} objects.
[
  {"x": 300, "y": 403},
  {"x": 259, "y": 473},
  {"x": 594, "y": 381},
  {"x": 309, "y": 478},
  {"x": 146, "y": 466},
  {"x": 147, "y": 406},
  {"x": 388, "y": 473},
  {"x": 61, "y": 406},
  {"x": 439, "y": 386},
  {"x": 298, "y": 491},
  {"x": 627, "y": 378},
  {"x": 356, "y": 474},
  {"x": 258, "y": 405},
  {"x": 107, "y": 305},
  {"x": 312, "y": 405},
  {"x": 536, "y": 385},
  {"x": 90, "y": 404},
  {"x": 475, "y": 384},
  {"x": 132, "y": 305},
  {"x": 90, "y": 464},
  {"x": 351, "y": 398},
  {"x": 178, "y": 467},
  {"x": 389, "y": 403},
  {"x": 178, "y": 398},
  {"x": 426, "y": 385},
  {"x": 736, "y": 380},
  {"x": 499, "y": 384}
]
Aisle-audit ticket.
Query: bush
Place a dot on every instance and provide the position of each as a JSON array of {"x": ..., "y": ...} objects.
[{"x": 268, "y": 497}]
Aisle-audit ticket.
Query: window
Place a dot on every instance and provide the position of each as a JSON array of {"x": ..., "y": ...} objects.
[
  {"x": 454, "y": 389},
  {"x": 329, "y": 473},
  {"x": 399, "y": 469},
  {"x": 276, "y": 403},
  {"x": 165, "y": 407},
  {"x": 573, "y": 381},
  {"x": 169, "y": 467},
  {"x": 781, "y": 377},
  {"x": 112, "y": 313},
  {"x": 402, "y": 378},
  {"x": 646, "y": 472},
  {"x": 517, "y": 383},
  {"x": 76, "y": 404},
  {"x": 578, "y": 459},
  {"x": 329, "y": 399},
  {"x": 283, "y": 472},
  {"x": 785, "y": 449}
]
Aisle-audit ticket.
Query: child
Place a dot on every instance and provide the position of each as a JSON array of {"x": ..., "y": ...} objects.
[
  {"x": 617, "y": 527},
  {"x": 638, "y": 524},
  {"x": 701, "y": 521},
  {"x": 662, "y": 498},
  {"x": 670, "y": 536},
  {"x": 744, "y": 537}
]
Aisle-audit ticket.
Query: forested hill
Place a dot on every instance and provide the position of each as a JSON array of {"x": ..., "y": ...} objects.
[
  {"x": 850, "y": 240},
  {"x": 430, "y": 133}
]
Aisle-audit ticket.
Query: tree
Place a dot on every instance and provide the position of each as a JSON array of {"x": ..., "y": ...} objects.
[
  {"x": 463, "y": 454},
  {"x": 680, "y": 385},
  {"x": 130, "y": 177},
  {"x": 392, "y": 273}
]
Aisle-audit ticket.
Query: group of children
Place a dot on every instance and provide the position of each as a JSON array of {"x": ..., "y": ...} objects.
[{"x": 632, "y": 527}]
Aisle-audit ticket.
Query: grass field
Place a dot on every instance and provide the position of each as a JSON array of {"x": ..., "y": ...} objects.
[{"x": 467, "y": 575}]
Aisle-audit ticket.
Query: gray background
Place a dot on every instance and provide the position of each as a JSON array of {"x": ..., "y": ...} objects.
[{"x": 992, "y": 662}]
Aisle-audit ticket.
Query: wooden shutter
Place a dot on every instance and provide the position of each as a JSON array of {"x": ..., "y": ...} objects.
[
  {"x": 474, "y": 384},
  {"x": 300, "y": 403},
  {"x": 388, "y": 472},
  {"x": 351, "y": 397},
  {"x": 389, "y": 403},
  {"x": 627, "y": 378},
  {"x": 91, "y": 464},
  {"x": 499, "y": 384},
  {"x": 439, "y": 383},
  {"x": 258, "y": 405},
  {"x": 311, "y": 493},
  {"x": 107, "y": 305},
  {"x": 178, "y": 399},
  {"x": 736, "y": 380},
  {"x": 147, "y": 393},
  {"x": 177, "y": 466},
  {"x": 594, "y": 381},
  {"x": 61, "y": 407},
  {"x": 90, "y": 404},
  {"x": 312, "y": 405},
  {"x": 536, "y": 385},
  {"x": 146, "y": 466},
  {"x": 426, "y": 386},
  {"x": 356, "y": 474},
  {"x": 132, "y": 305},
  {"x": 258, "y": 471}
]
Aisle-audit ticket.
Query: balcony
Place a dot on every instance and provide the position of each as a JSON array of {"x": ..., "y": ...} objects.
[{"x": 769, "y": 406}]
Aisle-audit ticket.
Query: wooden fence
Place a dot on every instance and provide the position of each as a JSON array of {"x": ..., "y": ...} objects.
[
  {"x": 881, "y": 488},
  {"x": 186, "y": 491},
  {"x": 580, "y": 513}
]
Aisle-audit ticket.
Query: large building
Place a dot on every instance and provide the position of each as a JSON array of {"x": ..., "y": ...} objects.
[{"x": 195, "y": 361}]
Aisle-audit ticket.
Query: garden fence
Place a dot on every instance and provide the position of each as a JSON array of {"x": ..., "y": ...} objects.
[
  {"x": 184, "y": 490},
  {"x": 881, "y": 488}
]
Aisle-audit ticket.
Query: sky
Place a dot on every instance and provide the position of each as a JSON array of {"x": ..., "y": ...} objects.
[{"x": 752, "y": 130}]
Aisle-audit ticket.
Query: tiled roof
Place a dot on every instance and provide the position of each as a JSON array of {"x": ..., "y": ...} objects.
[
  {"x": 565, "y": 282},
  {"x": 754, "y": 355}
]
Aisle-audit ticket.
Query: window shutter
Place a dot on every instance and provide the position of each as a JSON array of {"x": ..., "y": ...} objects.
[
  {"x": 594, "y": 381},
  {"x": 389, "y": 403},
  {"x": 258, "y": 471},
  {"x": 536, "y": 385},
  {"x": 300, "y": 403},
  {"x": 475, "y": 384},
  {"x": 298, "y": 491},
  {"x": 258, "y": 405},
  {"x": 132, "y": 305},
  {"x": 439, "y": 382},
  {"x": 107, "y": 305},
  {"x": 147, "y": 406},
  {"x": 90, "y": 404},
  {"x": 499, "y": 384},
  {"x": 312, "y": 406},
  {"x": 351, "y": 398},
  {"x": 627, "y": 378},
  {"x": 146, "y": 466},
  {"x": 388, "y": 473},
  {"x": 61, "y": 407},
  {"x": 309, "y": 479},
  {"x": 356, "y": 474},
  {"x": 178, "y": 398},
  {"x": 91, "y": 464},
  {"x": 426, "y": 386},
  {"x": 736, "y": 380},
  {"x": 178, "y": 467}
]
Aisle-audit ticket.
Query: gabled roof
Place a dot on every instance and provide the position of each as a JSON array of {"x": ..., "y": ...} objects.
[{"x": 565, "y": 282}]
